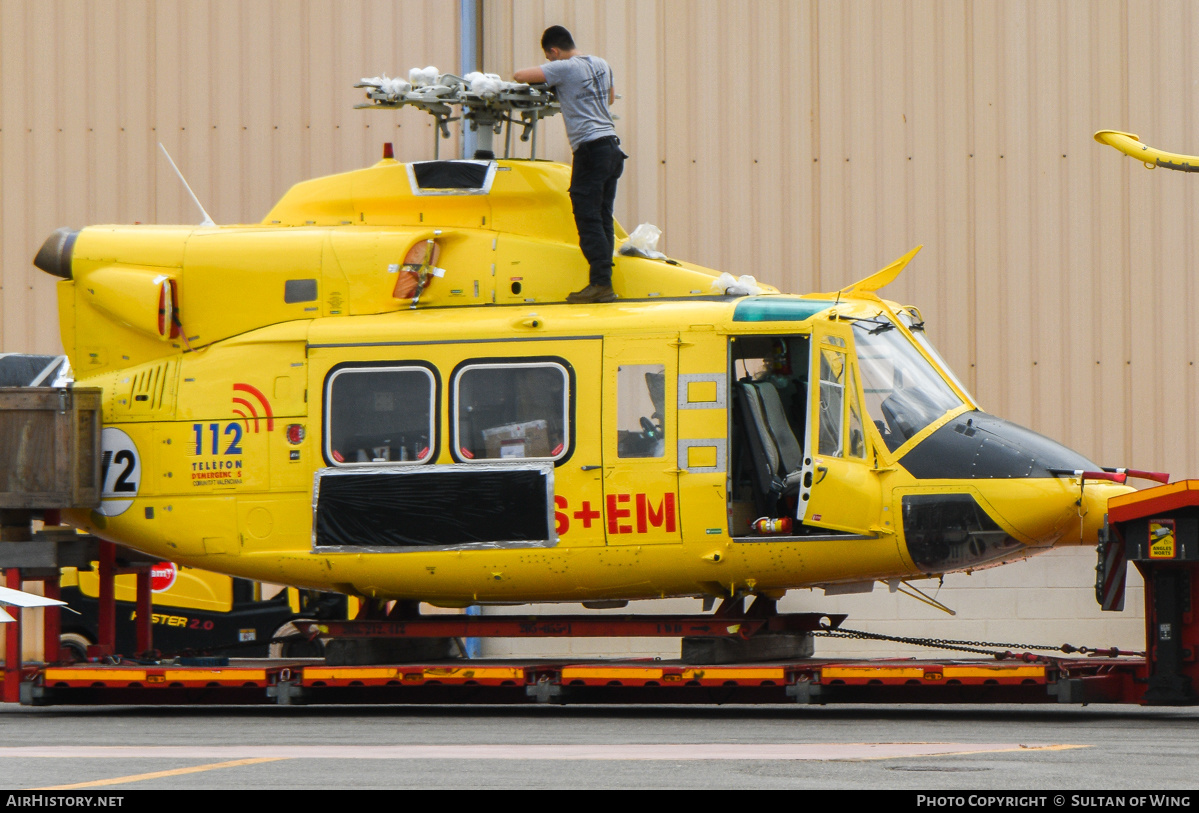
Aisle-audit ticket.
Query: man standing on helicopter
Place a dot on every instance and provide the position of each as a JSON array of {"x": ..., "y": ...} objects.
[{"x": 584, "y": 88}]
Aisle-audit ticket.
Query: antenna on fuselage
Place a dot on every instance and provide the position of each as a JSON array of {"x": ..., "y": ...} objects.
[{"x": 207, "y": 221}]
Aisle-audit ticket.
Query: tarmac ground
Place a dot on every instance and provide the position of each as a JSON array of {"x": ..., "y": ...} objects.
[{"x": 1100, "y": 748}]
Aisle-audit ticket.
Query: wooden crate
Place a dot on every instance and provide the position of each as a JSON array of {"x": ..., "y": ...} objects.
[{"x": 49, "y": 447}]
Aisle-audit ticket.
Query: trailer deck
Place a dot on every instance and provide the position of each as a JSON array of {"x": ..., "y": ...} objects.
[{"x": 1029, "y": 679}]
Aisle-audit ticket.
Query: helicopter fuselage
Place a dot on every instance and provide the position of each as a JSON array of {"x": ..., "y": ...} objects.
[{"x": 378, "y": 391}]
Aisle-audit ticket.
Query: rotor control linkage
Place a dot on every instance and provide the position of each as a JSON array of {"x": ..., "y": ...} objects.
[{"x": 485, "y": 101}]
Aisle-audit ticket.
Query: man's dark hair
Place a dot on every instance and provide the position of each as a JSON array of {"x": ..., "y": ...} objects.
[{"x": 557, "y": 37}]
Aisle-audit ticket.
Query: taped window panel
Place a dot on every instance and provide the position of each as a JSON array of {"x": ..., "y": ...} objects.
[
  {"x": 450, "y": 174},
  {"x": 439, "y": 507},
  {"x": 380, "y": 415},
  {"x": 451, "y": 177}
]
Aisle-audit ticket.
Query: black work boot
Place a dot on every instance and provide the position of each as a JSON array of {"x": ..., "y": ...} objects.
[{"x": 592, "y": 293}]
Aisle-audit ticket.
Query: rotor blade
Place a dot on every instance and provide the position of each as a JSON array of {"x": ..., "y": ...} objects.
[
  {"x": 1131, "y": 145},
  {"x": 23, "y": 599}
]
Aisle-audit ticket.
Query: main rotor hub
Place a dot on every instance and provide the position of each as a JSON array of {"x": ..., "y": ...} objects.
[{"x": 484, "y": 101}]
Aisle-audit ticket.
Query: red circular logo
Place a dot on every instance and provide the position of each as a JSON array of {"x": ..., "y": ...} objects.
[{"x": 162, "y": 576}]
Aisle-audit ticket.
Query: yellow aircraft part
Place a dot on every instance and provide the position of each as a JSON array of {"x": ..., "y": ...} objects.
[
  {"x": 880, "y": 279},
  {"x": 1131, "y": 145},
  {"x": 336, "y": 247}
]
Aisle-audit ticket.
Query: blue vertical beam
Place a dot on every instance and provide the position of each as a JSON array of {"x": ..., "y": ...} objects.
[
  {"x": 468, "y": 50},
  {"x": 474, "y": 646}
]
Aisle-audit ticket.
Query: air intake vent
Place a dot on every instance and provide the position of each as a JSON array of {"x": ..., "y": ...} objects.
[
  {"x": 451, "y": 177},
  {"x": 151, "y": 389}
]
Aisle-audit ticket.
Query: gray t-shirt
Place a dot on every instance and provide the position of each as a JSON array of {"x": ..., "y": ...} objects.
[{"x": 582, "y": 84}]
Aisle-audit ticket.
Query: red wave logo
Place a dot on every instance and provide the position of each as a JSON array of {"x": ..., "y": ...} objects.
[{"x": 251, "y": 411}]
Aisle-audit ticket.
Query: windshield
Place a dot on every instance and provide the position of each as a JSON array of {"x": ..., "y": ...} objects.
[
  {"x": 904, "y": 392},
  {"x": 916, "y": 326}
]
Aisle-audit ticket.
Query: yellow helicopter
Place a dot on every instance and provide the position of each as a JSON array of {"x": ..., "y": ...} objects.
[{"x": 379, "y": 390}]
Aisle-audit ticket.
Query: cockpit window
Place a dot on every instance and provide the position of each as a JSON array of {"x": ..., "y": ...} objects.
[
  {"x": 916, "y": 325},
  {"x": 904, "y": 392}
]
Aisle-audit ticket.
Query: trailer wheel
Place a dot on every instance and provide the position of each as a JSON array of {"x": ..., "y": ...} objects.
[
  {"x": 75, "y": 645},
  {"x": 299, "y": 646}
]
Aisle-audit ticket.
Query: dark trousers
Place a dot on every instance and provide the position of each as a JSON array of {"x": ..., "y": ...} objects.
[{"x": 596, "y": 167}]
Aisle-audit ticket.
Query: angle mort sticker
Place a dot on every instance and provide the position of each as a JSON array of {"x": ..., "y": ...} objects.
[
  {"x": 120, "y": 472},
  {"x": 162, "y": 577}
]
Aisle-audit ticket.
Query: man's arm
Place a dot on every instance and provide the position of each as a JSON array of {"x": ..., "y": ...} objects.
[{"x": 530, "y": 76}]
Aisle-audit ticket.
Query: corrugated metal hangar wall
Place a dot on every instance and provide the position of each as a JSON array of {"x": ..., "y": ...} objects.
[{"x": 807, "y": 143}]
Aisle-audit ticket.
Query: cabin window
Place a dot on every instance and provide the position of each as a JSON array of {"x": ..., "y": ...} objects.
[
  {"x": 857, "y": 435},
  {"x": 377, "y": 415},
  {"x": 511, "y": 411},
  {"x": 640, "y": 405},
  {"x": 299, "y": 290},
  {"x": 832, "y": 401}
]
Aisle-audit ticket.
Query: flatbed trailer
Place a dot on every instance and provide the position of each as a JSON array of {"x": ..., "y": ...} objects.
[{"x": 810, "y": 681}]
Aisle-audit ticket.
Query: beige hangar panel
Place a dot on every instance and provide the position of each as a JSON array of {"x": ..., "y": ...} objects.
[
  {"x": 249, "y": 98},
  {"x": 807, "y": 143}
]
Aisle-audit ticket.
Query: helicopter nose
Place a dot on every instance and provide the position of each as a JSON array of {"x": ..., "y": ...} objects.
[
  {"x": 1013, "y": 500},
  {"x": 993, "y": 522},
  {"x": 1094, "y": 510},
  {"x": 978, "y": 446},
  {"x": 1051, "y": 512}
]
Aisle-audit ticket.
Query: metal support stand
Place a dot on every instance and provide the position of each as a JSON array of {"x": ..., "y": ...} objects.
[
  {"x": 732, "y": 633},
  {"x": 51, "y": 622},
  {"x": 12, "y": 644},
  {"x": 1158, "y": 530},
  {"x": 145, "y": 611},
  {"x": 23, "y": 557},
  {"x": 106, "y": 624},
  {"x": 107, "y": 611},
  {"x": 27, "y": 556}
]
